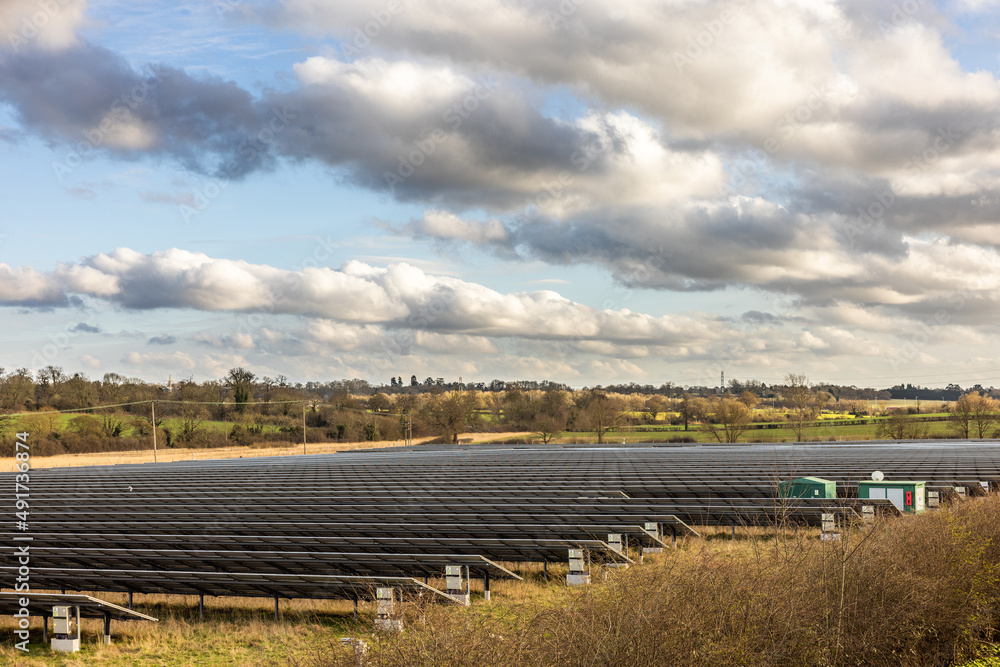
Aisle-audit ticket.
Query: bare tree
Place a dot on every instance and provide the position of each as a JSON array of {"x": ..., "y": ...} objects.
[
  {"x": 601, "y": 413},
  {"x": 451, "y": 412},
  {"x": 749, "y": 399},
  {"x": 691, "y": 409},
  {"x": 552, "y": 415},
  {"x": 975, "y": 416},
  {"x": 191, "y": 411},
  {"x": 494, "y": 401},
  {"x": 548, "y": 426},
  {"x": 900, "y": 425},
  {"x": 730, "y": 419},
  {"x": 653, "y": 406},
  {"x": 802, "y": 399},
  {"x": 17, "y": 390},
  {"x": 379, "y": 402}
]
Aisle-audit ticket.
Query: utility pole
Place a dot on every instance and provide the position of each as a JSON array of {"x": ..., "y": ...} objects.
[
  {"x": 152, "y": 405},
  {"x": 303, "y": 427}
]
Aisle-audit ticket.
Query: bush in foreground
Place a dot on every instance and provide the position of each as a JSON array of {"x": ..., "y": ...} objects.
[{"x": 919, "y": 590}]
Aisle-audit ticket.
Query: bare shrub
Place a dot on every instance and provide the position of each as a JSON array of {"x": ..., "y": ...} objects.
[{"x": 918, "y": 590}]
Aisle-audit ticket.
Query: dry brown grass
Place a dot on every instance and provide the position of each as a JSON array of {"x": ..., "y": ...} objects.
[
  {"x": 235, "y": 631},
  {"x": 202, "y": 454},
  {"x": 920, "y": 590}
]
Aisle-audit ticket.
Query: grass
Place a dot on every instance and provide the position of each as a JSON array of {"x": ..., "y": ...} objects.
[
  {"x": 243, "y": 631},
  {"x": 784, "y": 432},
  {"x": 236, "y": 631},
  {"x": 918, "y": 590}
]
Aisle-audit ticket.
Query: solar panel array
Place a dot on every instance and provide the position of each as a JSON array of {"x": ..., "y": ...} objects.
[{"x": 337, "y": 525}]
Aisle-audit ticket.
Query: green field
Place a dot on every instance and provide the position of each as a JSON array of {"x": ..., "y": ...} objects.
[{"x": 764, "y": 432}]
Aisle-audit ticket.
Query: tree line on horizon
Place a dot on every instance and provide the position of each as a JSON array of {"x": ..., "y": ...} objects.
[{"x": 261, "y": 409}]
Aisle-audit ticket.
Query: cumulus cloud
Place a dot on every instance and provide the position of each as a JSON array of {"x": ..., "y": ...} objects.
[
  {"x": 174, "y": 361},
  {"x": 823, "y": 73},
  {"x": 368, "y": 320},
  {"x": 398, "y": 296},
  {"x": 91, "y": 100},
  {"x": 435, "y": 224},
  {"x": 813, "y": 110},
  {"x": 25, "y": 286},
  {"x": 25, "y": 24},
  {"x": 834, "y": 152}
]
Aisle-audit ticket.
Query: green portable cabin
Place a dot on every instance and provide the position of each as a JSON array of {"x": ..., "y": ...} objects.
[
  {"x": 808, "y": 487},
  {"x": 906, "y": 496}
]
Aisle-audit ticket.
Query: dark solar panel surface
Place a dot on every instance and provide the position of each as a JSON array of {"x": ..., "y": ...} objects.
[{"x": 317, "y": 526}]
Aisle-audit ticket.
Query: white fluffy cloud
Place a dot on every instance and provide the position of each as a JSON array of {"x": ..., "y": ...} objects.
[
  {"x": 48, "y": 25},
  {"x": 840, "y": 155},
  {"x": 398, "y": 296}
]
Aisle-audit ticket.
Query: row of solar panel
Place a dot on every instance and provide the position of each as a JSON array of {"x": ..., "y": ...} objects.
[{"x": 309, "y": 526}]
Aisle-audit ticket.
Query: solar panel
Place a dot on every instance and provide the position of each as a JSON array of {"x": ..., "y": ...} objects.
[
  {"x": 239, "y": 584},
  {"x": 330, "y": 525}
]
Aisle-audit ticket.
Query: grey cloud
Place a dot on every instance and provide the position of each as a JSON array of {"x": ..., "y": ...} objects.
[
  {"x": 164, "y": 339},
  {"x": 795, "y": 225},
  {"x": 83, "y": 327},
  {"x": 758, "y": 316},
  {"x": 470, "y": 141},
  {"x": 90, "y": 99}
]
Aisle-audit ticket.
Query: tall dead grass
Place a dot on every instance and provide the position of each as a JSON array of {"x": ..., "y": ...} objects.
[{"x": 918, "y": 590}]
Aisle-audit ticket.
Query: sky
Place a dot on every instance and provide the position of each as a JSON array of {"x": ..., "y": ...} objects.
[{"x": 585, "y": 191}]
